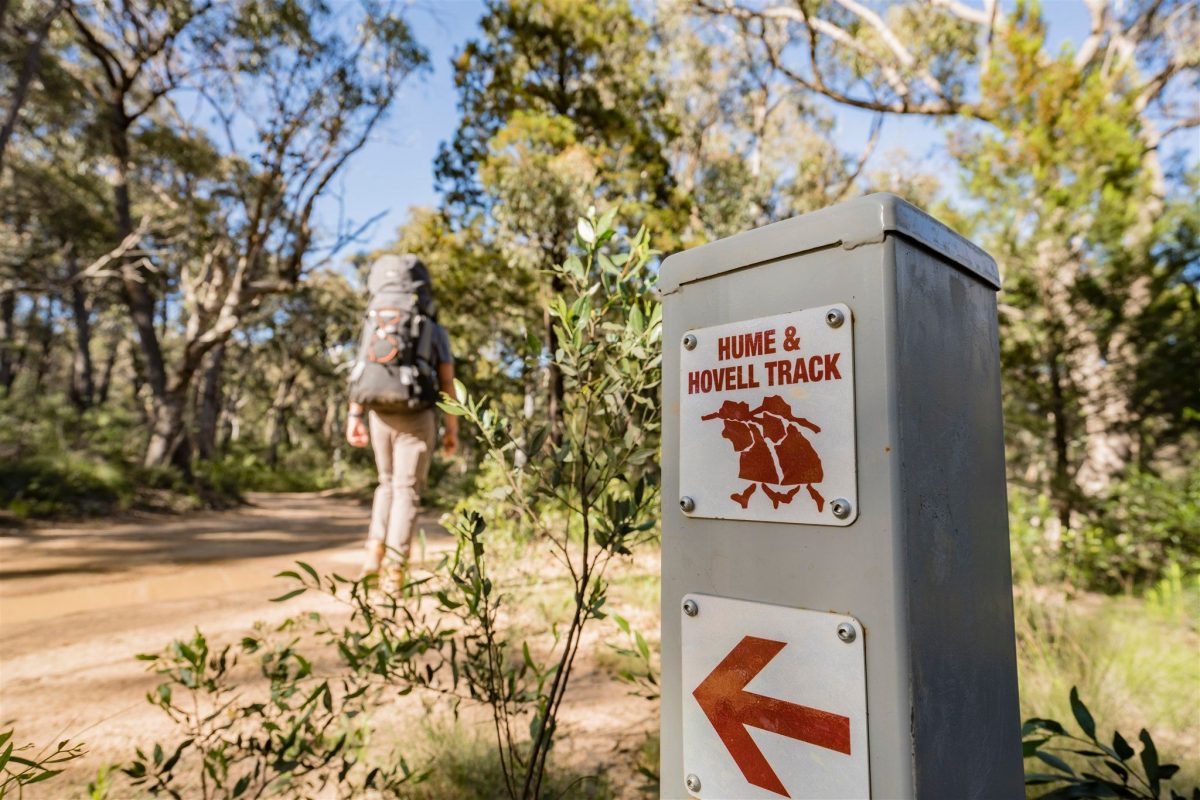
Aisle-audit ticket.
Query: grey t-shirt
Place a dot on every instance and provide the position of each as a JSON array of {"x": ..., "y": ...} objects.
[{"x": 441, "y": 346}]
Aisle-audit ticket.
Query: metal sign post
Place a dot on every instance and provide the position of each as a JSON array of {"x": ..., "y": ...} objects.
[{"x": 837, "y": 595}]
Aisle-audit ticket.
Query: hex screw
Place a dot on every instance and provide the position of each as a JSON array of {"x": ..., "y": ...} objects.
[
  {"x": 840, "y": 508},
  {"x": 689, "y": 342},
  {"x": 692, "y": 782},
  {"x": 687, "y": 504},
  {"x": 690, "y": 608},
  {"x": 834, "y": 318},
  {"x": 847, "y": 633}
]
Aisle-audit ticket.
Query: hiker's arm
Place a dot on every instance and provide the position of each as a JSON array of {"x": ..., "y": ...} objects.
[
  {"x": 356, "y": 427},
  {"x": 446, "y": 379}
]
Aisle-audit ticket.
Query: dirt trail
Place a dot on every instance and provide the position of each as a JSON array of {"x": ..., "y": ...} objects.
[{"x": 79, "y": 601}]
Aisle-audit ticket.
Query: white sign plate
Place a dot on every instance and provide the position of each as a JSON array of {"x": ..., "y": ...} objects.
[
  {"x": 767, "y": 419},
  {"x": 774, "y": 702}
]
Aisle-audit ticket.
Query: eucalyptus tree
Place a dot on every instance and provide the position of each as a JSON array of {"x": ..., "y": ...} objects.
[
  {"x": 565, "y": 85},
  {"x": 295, "y": 90},
  {"x": 54, "y": 199},
  {"x": 752, "y": 147},
  {"x": 131, "y": 56},
  {"x": 23, "y": 33},
  {"x": 1062, "y": 151}
]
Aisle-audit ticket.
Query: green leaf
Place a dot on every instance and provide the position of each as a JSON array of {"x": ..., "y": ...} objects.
[
  {"x": 1121, "y": 747},
  {"x": 45, "y": 776},
  {"x": 1038, "y": 724},
  {"x": 8, "y": 751},
  {"x": 1030, "y": 746},
  {"x": 1055, "y": 762},
  {"x": 309, "y": 570},
  {"x": 585, "y": 231},
  {"x": 169, "y": 764},
  {"x": 1083, "y": 790},
  {"x": 604, "y": 224},
  {"x": 1150, "y": 761},
  {"x": 453, "y": 409},
  {"x": 289, "y": 595},
  {"x": 1082, "y": 715},
  {"x": 643, "y": 648},
  {"x": 1036, "y": 778}
]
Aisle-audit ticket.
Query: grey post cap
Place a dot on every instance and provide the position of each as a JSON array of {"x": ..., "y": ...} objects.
[{"x": 865, "y": 220}]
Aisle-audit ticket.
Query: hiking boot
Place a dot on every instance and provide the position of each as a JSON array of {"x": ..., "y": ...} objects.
[
  {"x": 393, "y": 579},
  {"x": 372, "y": 559}
]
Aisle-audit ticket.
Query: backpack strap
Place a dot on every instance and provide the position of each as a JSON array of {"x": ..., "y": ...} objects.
[{"x": 424, "y": 348}]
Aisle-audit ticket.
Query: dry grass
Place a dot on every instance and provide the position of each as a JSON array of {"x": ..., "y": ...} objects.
[{"x": 1136, "y": 665}]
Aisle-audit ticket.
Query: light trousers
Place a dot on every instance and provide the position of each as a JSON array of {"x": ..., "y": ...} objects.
[{"x": 403, "y": 444}]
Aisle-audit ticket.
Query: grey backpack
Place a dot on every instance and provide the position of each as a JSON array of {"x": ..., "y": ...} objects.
[{"x": 396, "y": 371}]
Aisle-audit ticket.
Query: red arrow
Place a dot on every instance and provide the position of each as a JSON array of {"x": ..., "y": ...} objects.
[{"x": 730, "y": 708}]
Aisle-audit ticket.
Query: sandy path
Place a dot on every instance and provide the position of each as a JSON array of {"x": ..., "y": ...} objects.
[{"x": 79, "y": 601}]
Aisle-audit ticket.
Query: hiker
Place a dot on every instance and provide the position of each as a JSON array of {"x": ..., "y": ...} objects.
[{"x": 403, "y": 362}]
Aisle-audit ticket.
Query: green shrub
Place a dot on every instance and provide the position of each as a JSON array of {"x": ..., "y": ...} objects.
[
  {"x": 1138, "y": 668},
  {"x": 21, "y": 767},
  {"x": 1143, "y": 524},
  {"x": 1126, "y": 542},
  {"x": 58, "y": 484},
  {"x": 1104, "y": 770},
  {"x": 292, "y": 732}
]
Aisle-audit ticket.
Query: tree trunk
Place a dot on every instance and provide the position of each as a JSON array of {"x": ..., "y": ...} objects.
[
  {"x": 233, "y": 421},
  {"x": 8, "y": 338},
  {"x": 229, "y": 427},
  {"x": 82, "y": 383},
  {"x": 277, "y": 419},
  {"x": 16, "y": 95},
  {"x": 168, "y": 437},
  {"x": 330, "y": 430},
  {"x": 137, "y": 294},
  {"x": 210, "y": 404},
  {"x": 1062, "y": 489},
  {"x": 46, "y": 341},
  {"x": 554, "y": 382},
  {"x": 529, "y": 385},
  {"x": 168, "y": 440},
  {"x": 554, "y": 376},
  {"x": 102, "y": 386}
]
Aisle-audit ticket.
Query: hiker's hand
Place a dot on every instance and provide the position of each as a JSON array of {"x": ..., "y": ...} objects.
[
  {"x": 450, "y": 442},
  {"x": 356, "y": 432}
]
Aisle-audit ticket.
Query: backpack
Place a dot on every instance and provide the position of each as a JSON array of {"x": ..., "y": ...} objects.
[{"x": 396, "y": 371}]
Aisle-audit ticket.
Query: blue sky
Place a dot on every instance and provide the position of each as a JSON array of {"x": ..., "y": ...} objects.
[{"x": 395, "y": 170}]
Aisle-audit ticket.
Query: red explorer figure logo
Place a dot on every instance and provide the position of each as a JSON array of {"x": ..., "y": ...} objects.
[{"x": 772, "y": 450}]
